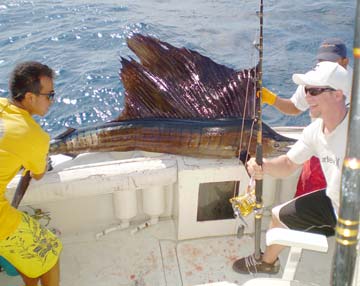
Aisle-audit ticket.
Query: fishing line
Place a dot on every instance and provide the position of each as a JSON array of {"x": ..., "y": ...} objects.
[
  {"x": 253, "y": 107},
  {"x": 237, "y": 185},
  {"x": 246, "y": 98}
]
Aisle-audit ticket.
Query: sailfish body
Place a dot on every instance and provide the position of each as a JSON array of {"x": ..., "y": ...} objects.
[
  {"x": 197, "y": 138},
  {"x": 179, "y": 102}
]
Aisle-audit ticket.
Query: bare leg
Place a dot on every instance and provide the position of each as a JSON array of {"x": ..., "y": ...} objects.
[
  {"x": 272, "y": 252},
  {"x": 29, "y": 281},
  {"x": 52, "y": 277}
]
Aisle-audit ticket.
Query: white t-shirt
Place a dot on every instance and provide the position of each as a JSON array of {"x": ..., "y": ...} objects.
[
  {"x": 329, "y": 148},
  {"x": 298, "y": 98}
]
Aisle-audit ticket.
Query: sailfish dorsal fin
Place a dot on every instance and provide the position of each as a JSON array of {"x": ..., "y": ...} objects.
[{"x": 171, "y": 82}]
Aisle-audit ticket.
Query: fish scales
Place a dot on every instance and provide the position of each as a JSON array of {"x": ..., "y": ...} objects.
[{"x": 199, "y": 138}]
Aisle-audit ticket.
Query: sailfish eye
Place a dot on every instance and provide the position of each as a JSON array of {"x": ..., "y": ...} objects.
[{"x": 276, "y": 145}]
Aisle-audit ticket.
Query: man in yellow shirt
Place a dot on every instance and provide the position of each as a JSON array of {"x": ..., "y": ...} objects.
[{"x": 32, "y": 249}]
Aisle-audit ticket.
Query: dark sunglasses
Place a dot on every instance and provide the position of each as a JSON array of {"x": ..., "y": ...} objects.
[
  {"x": 49, "y": 95},
  {"x": 314, "y": 91}
]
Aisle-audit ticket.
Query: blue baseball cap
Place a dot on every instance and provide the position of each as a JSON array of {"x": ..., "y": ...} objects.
[{"x": 331, "y": 50}]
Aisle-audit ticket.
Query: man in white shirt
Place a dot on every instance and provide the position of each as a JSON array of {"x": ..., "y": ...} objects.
[
  {"x": 326, "y": 88},
  {"x": 333, "y": 50}
]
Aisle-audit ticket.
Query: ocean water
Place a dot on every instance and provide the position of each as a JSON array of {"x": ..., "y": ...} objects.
[{"x": 82, "y": 40}]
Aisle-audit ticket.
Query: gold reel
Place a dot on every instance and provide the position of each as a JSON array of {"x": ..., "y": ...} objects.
[{"x": 244, "y": 204}]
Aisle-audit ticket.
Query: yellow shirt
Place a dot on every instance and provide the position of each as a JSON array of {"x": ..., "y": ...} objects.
[{"x": 22, "y": 143}]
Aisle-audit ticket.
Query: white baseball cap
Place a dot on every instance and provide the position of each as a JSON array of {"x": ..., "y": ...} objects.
[{"x": 326, "y": 74}]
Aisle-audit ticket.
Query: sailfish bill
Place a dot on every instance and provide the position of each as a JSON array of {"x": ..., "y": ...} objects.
[{"x": 179, "y": 102}]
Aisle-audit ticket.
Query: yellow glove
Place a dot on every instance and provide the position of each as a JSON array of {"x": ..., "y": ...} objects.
[{"x": 268, "y": 96}]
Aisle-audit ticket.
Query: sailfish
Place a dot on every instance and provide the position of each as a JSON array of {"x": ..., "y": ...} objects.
[{"x": 178, "y": 101}]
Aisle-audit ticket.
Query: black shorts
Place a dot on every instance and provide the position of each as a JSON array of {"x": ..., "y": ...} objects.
[{"x": 312, "y": 212}]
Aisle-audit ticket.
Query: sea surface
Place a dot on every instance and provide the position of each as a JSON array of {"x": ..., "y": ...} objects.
[{"x": 83, "y": 40}]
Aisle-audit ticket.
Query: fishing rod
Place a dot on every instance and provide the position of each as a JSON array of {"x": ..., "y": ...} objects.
[
  {"x": 245, "y": 204},
  {"x": 259, "y": 150},
  {"x": 347, "y": 227},
  {"x": 21, "y": 189},
  {"x": 23, "y": 185}
]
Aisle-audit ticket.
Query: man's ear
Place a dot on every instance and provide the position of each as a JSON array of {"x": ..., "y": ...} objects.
[
  {"x": 29, "y": 97},
  {"x": 343, "y": 62},
  {"x": 339, "y": 95}
]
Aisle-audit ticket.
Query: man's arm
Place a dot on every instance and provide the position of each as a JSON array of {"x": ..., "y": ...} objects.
[
  {"x": 284, "y": 105},
  {"x": 279, "y": 167},
  {"x": 48, "y": 167}
]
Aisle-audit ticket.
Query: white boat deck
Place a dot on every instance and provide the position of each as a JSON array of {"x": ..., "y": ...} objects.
[
  {"x": 80, "y": 198},
  {"x": 153, "y": 257}
]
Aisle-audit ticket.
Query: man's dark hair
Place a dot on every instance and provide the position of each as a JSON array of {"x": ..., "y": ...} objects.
[{"x": 26, "y": 78}]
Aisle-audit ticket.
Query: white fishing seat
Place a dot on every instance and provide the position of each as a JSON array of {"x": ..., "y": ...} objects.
[{"x": 298, "y": 241}]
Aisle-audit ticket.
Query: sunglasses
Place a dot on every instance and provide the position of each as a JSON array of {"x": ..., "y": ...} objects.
[
  {"x": 314, "y": 91},
  {"x": 49, "y": 95}
]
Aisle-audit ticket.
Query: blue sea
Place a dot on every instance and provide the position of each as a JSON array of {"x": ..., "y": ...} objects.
[{"x": 83, "y": 40}]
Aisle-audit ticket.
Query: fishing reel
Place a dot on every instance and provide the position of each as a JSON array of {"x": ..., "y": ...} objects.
[{"x": 244, "y": 205}]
